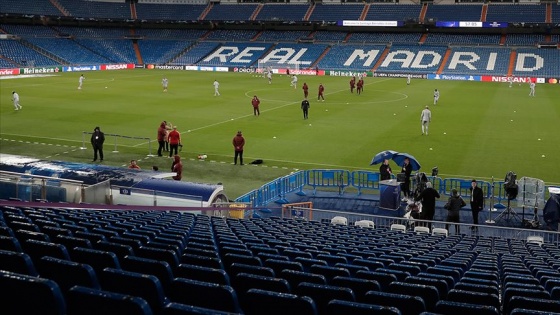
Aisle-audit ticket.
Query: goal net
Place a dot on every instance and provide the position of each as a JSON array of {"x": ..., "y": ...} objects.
[{"x": 265, "y": 66}]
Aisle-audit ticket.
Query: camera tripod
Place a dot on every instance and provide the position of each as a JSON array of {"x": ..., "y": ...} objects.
[{"x": 508, "y": 213}]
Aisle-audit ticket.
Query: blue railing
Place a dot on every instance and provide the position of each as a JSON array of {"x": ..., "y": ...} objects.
[{"x": 278, "y": 189}]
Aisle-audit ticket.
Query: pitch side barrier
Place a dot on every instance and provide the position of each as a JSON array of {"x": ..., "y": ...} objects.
[
  {"x": 116, "y": 137},
  {"x": 362, "y": 181}
]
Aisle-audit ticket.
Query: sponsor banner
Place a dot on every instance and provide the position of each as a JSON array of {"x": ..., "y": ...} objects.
[
  {"x": 399, "y": 75},
  {"x": 40, "y": 70},
  {"x": 491, "y": 78},
  {"x": 139, "y": 66},
  {"x": 347, "y": 73},
  {"x": 118, "y": 66},
  {"x": 300, "y": 71},
  {"x": 553, "y": 80},
  {"x": 244, "y": 70},
  {"x": 370, "y": 23},
  {"x": 217, "y": 69},
  {"x": 9, "y": 71},
  {"x": 191, "y": 68},
  {"x": 454, "y": 77},
  {"x": 168, "y": 67},
  {"x": 81, "y": 68}
]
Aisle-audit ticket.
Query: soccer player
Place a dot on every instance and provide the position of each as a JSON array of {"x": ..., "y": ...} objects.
[
  {"x": 216, "y": 88},
  {"x": 305, "y": 89},
  {"x": 436, "y": 96},
  {"x": 360, "y": 86},
  {"x": 294, "y": 81},
  {"x": 352, "y": 84},
  {"x": 425, "y": 118},
  {"x": 269, "y": 76},
  {"x": 532, "y": 88},
  {"x": 305, "y": 108},
  {"x": 321, "y": 90},
  {"x": 164, "y": 83},
  {"x": 408, "y": 78},
  {"x": 256, "y": 102},
  {"x": 15, "y": 99},
  {"x": 81, "y": 81},
  {"x": 510, "y": 81}
]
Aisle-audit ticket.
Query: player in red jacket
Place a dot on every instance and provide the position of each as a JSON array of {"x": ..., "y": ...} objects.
[
  {"x": 177, "y": 167},
  {"x": 321, "y": 90},
  {"x": 360, "y": 86},
  {"x": 256, "y": 102},
  {"x": 238, "y": 143},
  {"x": 174, "y": 139},
  {"x": 352, "y": 84},
  {"x": 305, "y": 90}
]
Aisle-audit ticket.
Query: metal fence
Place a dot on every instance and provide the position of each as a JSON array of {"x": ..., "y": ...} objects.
[{"x": 116, "y": 142}]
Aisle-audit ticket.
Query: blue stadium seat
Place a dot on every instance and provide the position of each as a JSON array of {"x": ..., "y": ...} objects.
[
  {"x": 183, "y": 309},
  {"x": 97, "y": 259},
  {"x": 428, "y": 293},
  {"x": 274, "y": 303},
  {"x": 10, "y": 243},
  {"x": 294, "y": 277},
  {"x": 136, "y": 284},
  {"x": 204, "y": 294},
  {"x": 157, "y": 268},
  {"x": 166, "y": 255},
  {"x": 439, "y": 284},
  {"x": 201, "y": 261},
  {"x": 67, "y": 273},
  {"x": 236, "y": 268},
  {"x": 200, "y": 273},
  {"x": 330, "y": 272},
  {"x": 406, "y": 304},
  {"x": 450, "y": 307},
  {"x": 359, "y": 286},
  {"x": 88, "y": 301},
  {"x": 53, "y": 231},
  {"x": 354, "y": 308},
  {"x": 279, "y": 265},
  {"x": 17, "y": 262},
  {"x": 384, "y": 279},
  {"x": 23, "y": 294},
  {"x": 510, "y": 294},
  {"x": 120, "y": 250},
  {"x": 478, "y": 298},
  {"x": 37, "y": 249},
  {"x": 322, "y": 294}
]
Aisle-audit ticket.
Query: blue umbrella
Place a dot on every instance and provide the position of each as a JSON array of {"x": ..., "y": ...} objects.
[
  {"x": 399, "y": 159},
  {"x": 382, "y": 156}
]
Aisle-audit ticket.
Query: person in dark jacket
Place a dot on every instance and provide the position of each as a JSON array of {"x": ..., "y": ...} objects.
[
  {"x": 161, "y": 137},
  {"x": 305, "y": 108},
  {"x": 453, "y": 206},
  {"x": 385, "y": 170},
  {"x": 238, "y": 143},
  {"x": 97, "y": 139},
  {"x": 477, "y": 201},
  {"x": 428, "y": 197},
  {"x": 177, "y": 167},
  {"x": 407, "y": 171}
]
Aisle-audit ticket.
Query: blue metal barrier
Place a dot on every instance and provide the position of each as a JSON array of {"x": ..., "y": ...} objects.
[
  {"x": 365, "y": 180},
  {"x": 328, "y": 178}
]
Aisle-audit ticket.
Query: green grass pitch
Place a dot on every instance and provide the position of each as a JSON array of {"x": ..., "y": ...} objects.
[{"x": 478, "y": 129}]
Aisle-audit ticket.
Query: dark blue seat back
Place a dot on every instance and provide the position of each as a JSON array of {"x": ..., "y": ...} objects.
[
  {"x": 17, "y": 262},
  {"x": 24, "y": 294},
  {"x": 204, "y": 294},
  {"x": 88, "y": 301},
  {"x": 274, "y": 303},
  {"x": 322, "y": 294},
  {"x": 355, "y": 308},
  {"x": 67, "y": 273},
  {"x": 200, "y": 273}
]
